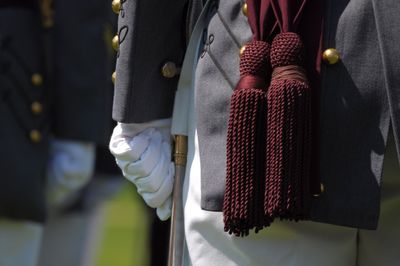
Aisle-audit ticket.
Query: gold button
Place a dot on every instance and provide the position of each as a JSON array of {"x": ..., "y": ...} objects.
[
  {"x": 169, "y": 70},
  {"x": 321, "y": 191},
  {"x": 244, "y": 9},
  {"x": 35, "y": 136},
  {"x": 331, "y": 56},
  {"x": 115, "y": 43},
  {"x": 36, "y": 108},
  {"x": 114, "y": 77},
  {"x": 116, "y": 6},
  {"x": 37, "y": 80},
  {"x": 242, "y": 49}
]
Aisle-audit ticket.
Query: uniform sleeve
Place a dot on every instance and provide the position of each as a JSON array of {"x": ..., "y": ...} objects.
[
  {"x": 82, "y": 90},
  {"x": 151, "y": 48}
]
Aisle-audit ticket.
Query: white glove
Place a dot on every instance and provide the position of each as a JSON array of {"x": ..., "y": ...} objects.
[
  {"x": 143, "y": 152},
  {"x": 69, "y": 169}
]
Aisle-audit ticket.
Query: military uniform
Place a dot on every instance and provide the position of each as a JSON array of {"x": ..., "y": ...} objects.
[
  {"x": 30, "y": 102},
  {"x": 358, "y": 102},
  {"x": 45, "y": 91},
  {"x": 24, "y": 114}
]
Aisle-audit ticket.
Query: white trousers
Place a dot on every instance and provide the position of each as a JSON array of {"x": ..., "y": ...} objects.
[
  {"x": 290, "y": 243},
  {"x": 19, "y": 242}
]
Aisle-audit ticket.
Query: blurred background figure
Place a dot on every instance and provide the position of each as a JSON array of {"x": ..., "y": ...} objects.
[
  {"x": 56, "y": 61},
  {"x": 45, "y": 132},
  {"x": 79, "y": 61},
  {"x": 24, "y": 134},
  {"x": 81, "y": 51}
]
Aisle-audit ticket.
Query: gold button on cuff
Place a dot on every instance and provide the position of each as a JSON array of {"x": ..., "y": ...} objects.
[
  {"x": 244, "y": 9},
  {"x": 331, "y": 56},
  {"x": 116, "y": 6},
  {"x": 114, "y": 77},
  {"x": 115, "y": 43},
  {"x": 36, "y": 108},
  {"x": 35, "y": 136},
  {"x": 242, "y": 49},
  {"x": 322, "y": 191},
  {"x": 169, "y": 70},
  {"x": 37, "y": 80}
]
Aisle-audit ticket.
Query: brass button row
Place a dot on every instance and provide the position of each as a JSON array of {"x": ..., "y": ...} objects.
[
  {"x": 116, "y": 8},
  {"x": 36, "y": 108},
  {"x": 37, "y": 81}
]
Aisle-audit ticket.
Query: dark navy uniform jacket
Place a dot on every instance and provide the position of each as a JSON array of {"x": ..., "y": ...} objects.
[{"x": 54, "y": 82}]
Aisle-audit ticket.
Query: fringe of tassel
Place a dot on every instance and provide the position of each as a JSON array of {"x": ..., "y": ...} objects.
[
  {"x": 269, "y": 139},
  {"x": 244, "y": 193}
]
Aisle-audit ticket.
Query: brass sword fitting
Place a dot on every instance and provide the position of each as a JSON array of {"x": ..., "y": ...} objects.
[{"x": 181, "y": 150}]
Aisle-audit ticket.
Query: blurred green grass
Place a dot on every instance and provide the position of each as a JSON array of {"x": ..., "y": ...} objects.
[{"x": 125, "y": 239}]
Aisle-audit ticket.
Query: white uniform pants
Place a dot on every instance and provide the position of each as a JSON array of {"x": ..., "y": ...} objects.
[
  {"x": 19, "y": 242},
  {"x": 294, "y": 244}
]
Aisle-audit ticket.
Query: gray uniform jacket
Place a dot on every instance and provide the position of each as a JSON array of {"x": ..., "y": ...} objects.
[
  {"x": 75, "y": 104},
  {"x": 360, "y": 94}
]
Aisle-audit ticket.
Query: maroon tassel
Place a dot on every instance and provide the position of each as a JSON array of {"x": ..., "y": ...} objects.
[
  {"x": 246, "y": 141},
  {"x": 287, "y": 192}
]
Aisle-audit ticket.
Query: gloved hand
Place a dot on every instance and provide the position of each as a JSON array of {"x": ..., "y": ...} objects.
[
  {"x": 69, "y": 169},
  {"x": 143, "y": 152}
]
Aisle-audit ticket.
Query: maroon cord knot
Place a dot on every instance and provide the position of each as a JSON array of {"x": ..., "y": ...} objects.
[
  {"x": 255, "y": 60},
  {"x": 287, "y": 49}
]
